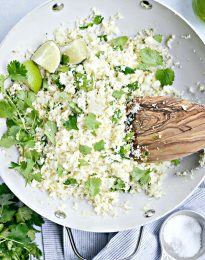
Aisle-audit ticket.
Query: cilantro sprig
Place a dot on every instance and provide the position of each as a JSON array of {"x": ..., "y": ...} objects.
[{"x": 17, "y": 231}]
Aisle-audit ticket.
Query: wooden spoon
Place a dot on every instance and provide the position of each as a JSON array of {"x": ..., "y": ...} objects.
[{"x": 167, "y": 128}]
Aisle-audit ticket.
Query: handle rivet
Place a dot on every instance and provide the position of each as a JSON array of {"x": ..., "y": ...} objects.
[
  {"x": 149, "y": 213},
  {"x": 58, "y": 7},
  {"x": 146, "y": 4},
  {"x": 60, "y": 214}
]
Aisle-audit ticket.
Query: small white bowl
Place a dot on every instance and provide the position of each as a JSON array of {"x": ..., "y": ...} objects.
[{"x": 168, "y": 250}]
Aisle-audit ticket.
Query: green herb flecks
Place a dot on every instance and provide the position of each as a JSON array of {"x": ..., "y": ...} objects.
[
  {"x": 85, "y": 150},
  {"x": 50, "y": 130},
  {"x": 96, "y": 21},
  {"x": 99, "y": 146},
  {"x": 158, "y": 38},
  {"x": 119, "y": 185},
  {"x": 93, "y": 186},
  {"x": 141, "y": 176},
  {"x": 119, "y": 42},
  {"x": 91, "y": 122}
]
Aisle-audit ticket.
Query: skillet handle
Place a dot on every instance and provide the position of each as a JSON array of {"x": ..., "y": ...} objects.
[{"x": 75, "y": 250}]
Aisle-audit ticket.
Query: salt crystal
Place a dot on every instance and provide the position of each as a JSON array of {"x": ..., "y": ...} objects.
[{"x": 183, "y": 234}]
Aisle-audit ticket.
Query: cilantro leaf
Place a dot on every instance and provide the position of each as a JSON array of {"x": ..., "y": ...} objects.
[
  {"x": 125, "y": 70},
  {"x": 71, "y": 123},
  {"x": 103, "y": 38},
  {"x": 118, "y": 185},
  {"x": 93, "y": 186},
  {"x": 23, "y": 214},
  {"x": 70, "y": 181},
  {"x": 82, "y": 163},
  {"x": 84, "y": 149},
  {"x": 133, "y": 86},
  {"x": 17, "y": 71},
  {"x": 165, "y": 76},
  {"x": 83, "y": 82},
  {"x": 116, "y": 116},
  {"x": 5, "y": 199},
  {"x": 60, "y": 170},
  {"x": 117, "y": 94},
  {"x": 124, "y": 150},
  {"x": 176, "y": 162},
  {"x": 6, "y": 110},
  {"x": 150, "y": 57},
  {"x": 158, "y": 38},
  {"x": 119, "y": 42},
  {"x": 129, "y": 136},
  {"x": 91, "y": 122},
  {"x": 141, "y": 176},
  {"x": 99, "y": 146},
  {"x": 7, "y": 141},
  {"x": 75, "y": 108},
  {"x": 64, "y": 59},
  {"x": 19, "y": 233},
  {"x": 98, "y": 19},
  {"x": 6, "y": 214},
  {"x": 50, "y": 130}
]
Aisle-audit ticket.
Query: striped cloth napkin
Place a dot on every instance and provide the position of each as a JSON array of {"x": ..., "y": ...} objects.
[{"x": 112, "y": 246}]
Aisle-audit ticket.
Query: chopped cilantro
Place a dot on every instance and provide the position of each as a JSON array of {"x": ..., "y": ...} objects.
[
  {"x": 63, "y": 69},
  {"x": 141, "y": 176},
  {"x": 129, "y": 136},
  {"x": 75, "y": 108},
  {"x": 82, "y": 163},
  {"x": 64, "y": 59},
  {"x": 116, "y": 116},
  {"x": 83, "y": 82},
  {"x": 176, "y": 162},
  {"x": 96, "y": 20},
  {"x": 117, "y": 94},
  {"x": 124, "y": 150},
  {"x": 118, "y": 185},
  {"x": 50, "y": 130},
  {"x": 133, "y": 86},
  {"x": 60, "y": 170},
  {"x": 99, "y": 146},
  {"x": 17, "y": 71},
  {"x": 71, "y": 123},
  {"x": 2, "y": 80},
  {"x": 119, "y": 42},
  {"x": 158, "y": 38},
  {"x": 84, "y": 149},
  {"x": 93, "y": 186},
  {"x": 70, "y": 181},
  {"x": 103, "y": 37},
  {"x": 165, "y": 76},
  {"x": 125, "y": 70},
  {"x": 91, "y": 122},
  {"x": 151, "y": 57}
]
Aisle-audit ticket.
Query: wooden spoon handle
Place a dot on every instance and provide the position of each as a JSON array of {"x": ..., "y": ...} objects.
[{"x": 168, "y": 128}]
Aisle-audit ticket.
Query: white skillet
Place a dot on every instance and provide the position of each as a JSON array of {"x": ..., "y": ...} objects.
[{"x": 31, "y": 31}]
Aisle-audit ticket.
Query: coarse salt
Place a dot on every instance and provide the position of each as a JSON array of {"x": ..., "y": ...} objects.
[{"x": 183, "y": 234}]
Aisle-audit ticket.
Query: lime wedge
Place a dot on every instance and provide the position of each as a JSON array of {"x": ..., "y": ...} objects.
[
  {"x": 76, "y": 51},
  {"x": 34, "y": 78},
  {"x": 48, "y": 56}
]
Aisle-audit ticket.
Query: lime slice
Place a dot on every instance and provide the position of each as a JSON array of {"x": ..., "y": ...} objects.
[
  {"x": 76, "y": 51},
  {"x": 34, "y": 78},
  {"x": 48, "y": 56}
]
